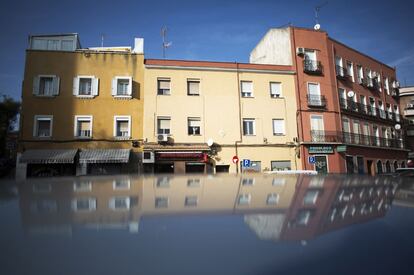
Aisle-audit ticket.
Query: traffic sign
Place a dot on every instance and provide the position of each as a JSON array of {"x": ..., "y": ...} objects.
[
  {"x": 235, "y": 159},
  {"x": 312, "y": 159},
  {"x": 246, "y": 163}
]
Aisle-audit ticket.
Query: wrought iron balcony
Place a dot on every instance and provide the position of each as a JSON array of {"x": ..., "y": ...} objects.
[
  {"x": 316, "y": 101},
  {"x": 355, "y": 139},
  {"x": 395, "y": 92},
  {"x": 341, "y": 72},
  {"x": 312, "y": 67},
  {"x": 351, "y": 106}
]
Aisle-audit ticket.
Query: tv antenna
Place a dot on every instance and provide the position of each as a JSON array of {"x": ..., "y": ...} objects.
[
  {"x": 317, "y": 10},
  {"x": 165, "y": 44}
]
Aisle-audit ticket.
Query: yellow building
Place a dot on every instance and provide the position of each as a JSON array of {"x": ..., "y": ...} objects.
[
  {"x": 198, "y": 115},
  {"x": 82, "y": 109}
]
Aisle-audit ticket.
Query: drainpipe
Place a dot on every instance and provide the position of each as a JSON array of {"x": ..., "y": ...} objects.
[{"x": 240, "y": 115}]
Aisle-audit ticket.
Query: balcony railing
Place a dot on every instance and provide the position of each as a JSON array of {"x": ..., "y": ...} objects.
[
  {"x": 341, "y": 72},
  {"x": 360, "y": 108},
  {"x": 316, "y": 101},
  {"x": 355, "y": 139},
  {"x": 312, "y": 67}
]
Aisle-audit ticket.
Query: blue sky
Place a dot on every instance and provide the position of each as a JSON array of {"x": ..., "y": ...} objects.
[{"x": 205, "y": 30}]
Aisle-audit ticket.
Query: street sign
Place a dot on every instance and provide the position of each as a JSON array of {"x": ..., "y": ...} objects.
[
  {"x": 324, "y": 149},
  {"x": 235, "y": 159},
  {"x": 312, "y": 159},
  {"x": 246, "y": 163},
  {"x": 341, "y": 148}
]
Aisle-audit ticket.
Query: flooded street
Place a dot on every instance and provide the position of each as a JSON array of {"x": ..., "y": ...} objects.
[{"x": 249, "y": 224}]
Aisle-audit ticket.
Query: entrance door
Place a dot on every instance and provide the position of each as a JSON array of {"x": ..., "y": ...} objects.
[
  {"x": 369, "y": 166},
  {"x": 349, "y": 164},
  {"x": 321, "y": 164},
  {"x": 360, "y": 163}
]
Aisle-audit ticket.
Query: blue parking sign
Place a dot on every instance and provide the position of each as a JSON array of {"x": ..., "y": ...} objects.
[
  {"x": 312, "y": 159},
  {"x": 246, "y": 163}
]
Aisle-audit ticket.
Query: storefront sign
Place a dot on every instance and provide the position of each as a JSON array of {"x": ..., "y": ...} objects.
[
  {"x": 181, "y": 156},
  {"x": 341, "y": 148},
  {"x": 327, "y": 149}
]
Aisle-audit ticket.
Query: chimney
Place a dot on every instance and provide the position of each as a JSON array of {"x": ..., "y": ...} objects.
[{"x": 138, "y": 45}]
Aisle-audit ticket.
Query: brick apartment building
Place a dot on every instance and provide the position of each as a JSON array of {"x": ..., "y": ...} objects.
[{"x": 347, "y": 102}]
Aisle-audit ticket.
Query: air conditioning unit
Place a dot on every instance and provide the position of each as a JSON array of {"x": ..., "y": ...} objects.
[
  {"x": 300, "y": 51},
  {"x": 162, "y": 138},
  {"x": 148, "y": 157}
]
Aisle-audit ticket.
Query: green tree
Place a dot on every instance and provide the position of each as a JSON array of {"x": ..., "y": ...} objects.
[{"x": 9, "y": 108}]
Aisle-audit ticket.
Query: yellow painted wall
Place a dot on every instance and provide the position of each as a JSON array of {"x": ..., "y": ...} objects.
[{"x": 65, "y": 106}]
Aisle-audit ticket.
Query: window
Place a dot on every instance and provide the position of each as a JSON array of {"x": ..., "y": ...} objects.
[
  {"x": 161, "y": 202},
  {"x": 279, "y": 181},
  {"x": 272, "y": 199},
  {"x": 372, "y": 106},
  {"x": 84, "y": 204},
  {"x": 281, "y": 165},
  {"x": 310, "y": 197},
  {"x": 46, "y": 85},
  {"x": 303, "y": 217},
  {"x": 244, "y": 199},
  {"x": 247, "y": 89},
  {"x": 339, "y": 66},
  {"x": 43, "y": 206},
  {"x": 278, "y": 127},
  {"x": 121, "y": 184},
  {"x": 360, "y": 71},
  {"x": 191, "y": 201},
  {"x": 85, "y": 86},
  {"x": 82, "y": 186},
  {"x": 275, "y": 89},
  {"x": 164, "y": 87},
  {"x": 163, "y": 126},
  {"x": 163, "y": 182},
  {"x": 317, "y": 128},
  {"x": 67, "y": 45},
  {"x": 193, "y": 182},
  {"x": 350, "y": 69},
  {"x": 119, "y": 203},
  {"x": 248, "y": 181},
  {"x": 194, "y": 126},
  {"x": 387, "y": 85},
  {"x": 193, "y": 87},
  {"x": 248, "y": 127},
  {"x": 53, "y": 45},
  {"x": 122, "y": 126},
  {"x": 83, "y": 126},
  {"x": 122, "y": 86},
  {"x": 43, "y": 126}
]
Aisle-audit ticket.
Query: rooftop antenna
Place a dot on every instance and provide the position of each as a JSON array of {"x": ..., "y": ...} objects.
[
  {"x": 317, "y": 10},
  {"x": 165, "y": 45},
  {"x": 102, "y": 39}
]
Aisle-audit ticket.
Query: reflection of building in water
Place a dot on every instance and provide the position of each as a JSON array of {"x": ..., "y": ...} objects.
[
  {"x": 274, "y": 207},
  {"x": 405, "y": 196}
]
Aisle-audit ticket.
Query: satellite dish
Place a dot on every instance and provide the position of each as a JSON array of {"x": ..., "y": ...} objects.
[
  {"x": 210, "y": 142},
  {"x": 397, "y": 127},
  {"x": 351, "y": 94},
  {"x": 317, "y": 27}
]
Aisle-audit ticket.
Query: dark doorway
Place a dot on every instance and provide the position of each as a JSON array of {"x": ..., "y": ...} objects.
[
  {"x": 349, "y": 165},
  {"x": 379, "y": 167},
  {"x": 369, "y": 167},
  {"x": 222, "y": 168},
  {"x": 360, "y": 163},
  {"x": 321, "y": 164},
  {"x": 164, "y": 167},
  {"x": 194, "y": 167}
]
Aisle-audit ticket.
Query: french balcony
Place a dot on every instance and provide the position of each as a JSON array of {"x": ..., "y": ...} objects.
[
  {"x": 316, "y": 101},
  {"x": 312, "y": 67},
  {"x": 395, "y": 93},
  {"x": 341, "y": 72},
  {"x": 325, "y": 136}
]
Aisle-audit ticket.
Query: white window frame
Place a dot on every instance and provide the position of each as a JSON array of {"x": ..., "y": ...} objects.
[
  {"x": 35, "y": 125},
  {"x": 246, "y": 199},
  {"x": 158, "y": 85},
  {"x": 284, "y": 127},
  {"x": 114, "y": 92},
  {"x": 272, "y": 199},
  {"x": 94, "y": 86},
  {"x": 113, "y": 199},
  {"x": 92, "y": 204},
  {"x": 350, "y": 71},
  {"x": 83, "y": 118},
  {"x": 188, "y": 87},
  {"x": 273, "y": 95},
  {"x": 156, "y": 125},
  {"x": 241, "y": 89},
  {"x": 188, "y": 125},
  {"x": 55, "y": 85},
  {"x": 128, "y": 184},
  {"x": 254, "y": 126},
  {"x": 88, "y": 187},
  {"x": 116, "y": 118}
]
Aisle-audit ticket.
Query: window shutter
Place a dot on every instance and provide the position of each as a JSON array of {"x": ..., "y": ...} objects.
[
  {"x": 36, "y": 85},
  {"x": 114, "y": 86},
  {"x": 129, "y": 92},
  {"x": 279, "y": 126},
  {"x": 56, "y": 82},
  {"x": 95, "y": 86},
  {"x": 76, "y": 85}
]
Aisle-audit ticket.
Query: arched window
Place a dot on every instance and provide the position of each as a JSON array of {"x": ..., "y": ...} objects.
[
  {"x": 379, "y": 167},
  {"x": 388, "y": 166},
  {"x": 395, "y": 165}
]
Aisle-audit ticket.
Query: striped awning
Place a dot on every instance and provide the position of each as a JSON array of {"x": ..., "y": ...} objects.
[
  {"x": 104, "y": 156},
  {"x": 49, "y": 156}
]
